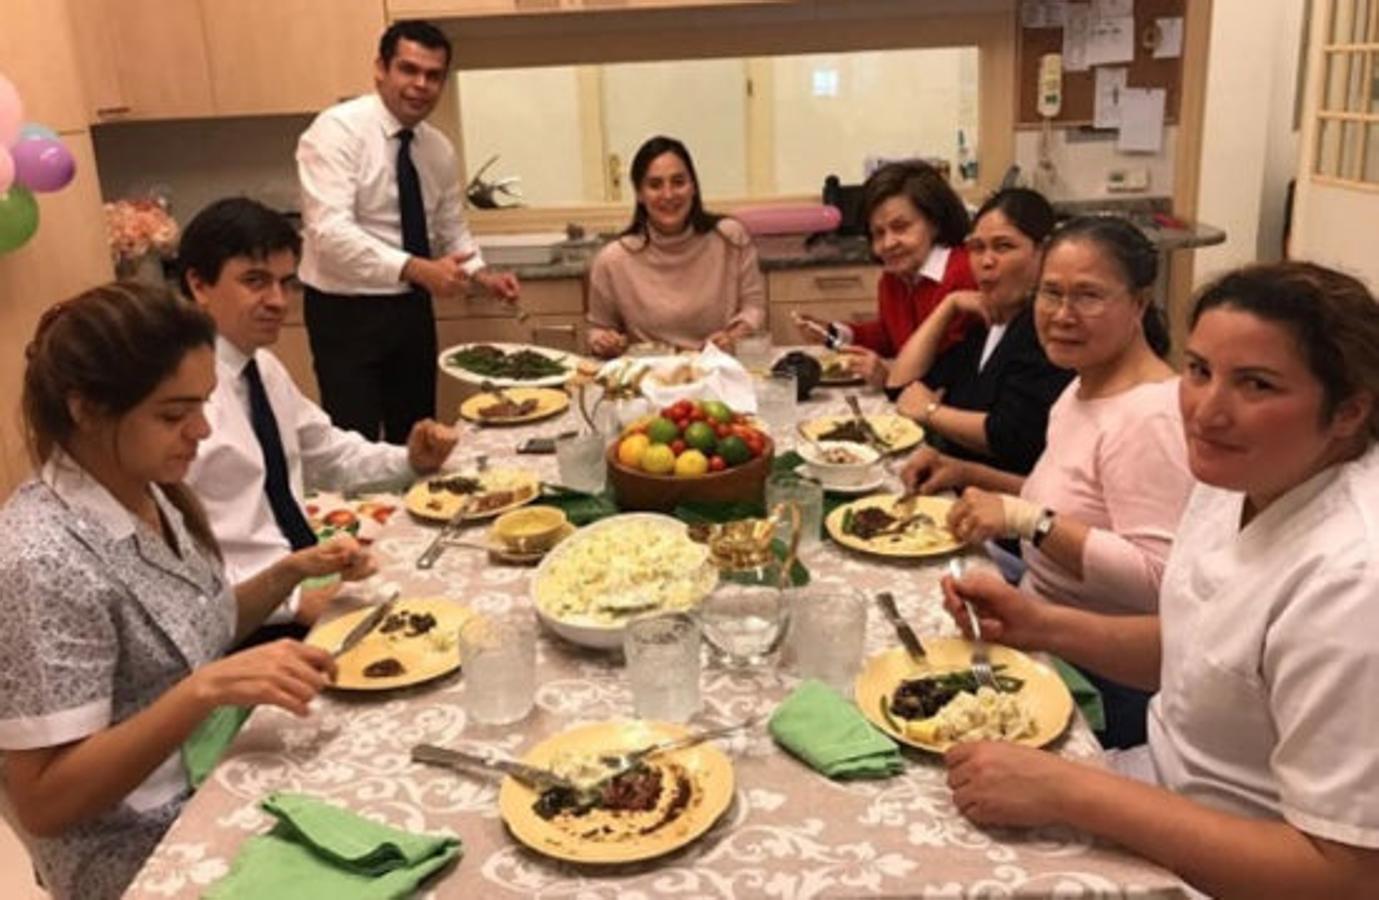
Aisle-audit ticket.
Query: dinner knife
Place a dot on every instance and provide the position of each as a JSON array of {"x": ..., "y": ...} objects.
[
  {"x": 366, "y": 626},
  {"x": 532, "y": 776},
  {"x": 907, "y": 635}
]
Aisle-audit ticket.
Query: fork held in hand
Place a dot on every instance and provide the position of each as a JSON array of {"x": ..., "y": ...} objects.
[{"x": 981, "y": 658}]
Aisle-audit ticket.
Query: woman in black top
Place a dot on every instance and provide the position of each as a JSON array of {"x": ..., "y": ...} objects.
[{"x": 987, "y": 398}]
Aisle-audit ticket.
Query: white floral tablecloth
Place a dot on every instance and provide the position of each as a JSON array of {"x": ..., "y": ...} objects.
[{"x": 790, "y": 832}]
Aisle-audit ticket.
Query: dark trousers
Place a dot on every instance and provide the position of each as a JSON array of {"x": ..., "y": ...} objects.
[{"x": 375, "y": 360}]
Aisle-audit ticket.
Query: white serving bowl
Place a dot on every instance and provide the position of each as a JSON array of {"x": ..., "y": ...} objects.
[{"x": 840, "y": 474}]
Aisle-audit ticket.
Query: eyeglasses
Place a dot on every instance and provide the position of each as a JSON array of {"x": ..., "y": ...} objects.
[{"x": 1083, "y": 302}]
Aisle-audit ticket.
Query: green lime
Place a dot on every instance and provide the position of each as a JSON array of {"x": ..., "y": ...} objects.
[
  {"x": 662, "y": 430},
  {"x": 734, "y": 450},
  {"x": 718, "y": 411},
  {"x": 700, "y": 436}
]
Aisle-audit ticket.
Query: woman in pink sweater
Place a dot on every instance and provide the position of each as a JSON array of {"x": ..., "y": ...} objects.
[
  {"x": 678, "y": 274},
  {"x": 1096, "y": 516}
]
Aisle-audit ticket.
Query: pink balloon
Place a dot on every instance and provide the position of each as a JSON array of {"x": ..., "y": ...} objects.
[
  {"x": 43, "y": 165},
  {"x": 6, "y": 170},
  {"x": 11, "y": 112}
]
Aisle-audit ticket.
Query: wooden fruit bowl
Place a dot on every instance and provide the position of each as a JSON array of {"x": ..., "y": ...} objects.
[{"x": 637, "y": 490}]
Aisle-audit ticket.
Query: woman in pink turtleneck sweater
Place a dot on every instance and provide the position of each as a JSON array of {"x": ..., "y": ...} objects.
[{"x": 678, "y": 274}]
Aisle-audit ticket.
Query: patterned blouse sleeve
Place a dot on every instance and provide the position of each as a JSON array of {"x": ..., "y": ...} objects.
[{"x": 59, "y": 646}]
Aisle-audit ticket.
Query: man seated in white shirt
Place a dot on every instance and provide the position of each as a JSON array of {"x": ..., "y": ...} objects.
[
  {"x": 384, "y": 232},
  {"x": 269, "y": 442}
]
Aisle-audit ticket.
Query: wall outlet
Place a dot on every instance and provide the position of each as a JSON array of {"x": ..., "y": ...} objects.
[{"x": 1127, "y": 180}]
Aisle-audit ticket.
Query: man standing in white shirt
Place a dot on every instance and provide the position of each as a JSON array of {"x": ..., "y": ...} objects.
[
  {"x": 268, "y": 442},
  {"x": 385, "y": 232}
]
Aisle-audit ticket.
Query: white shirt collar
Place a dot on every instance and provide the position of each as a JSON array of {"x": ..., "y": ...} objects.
[
  {"x": 386, "y": 120},
  {"x": 79, "y": 489},
  {"x": 230, "y": 356},
  {"x": 936, "y": 263}
]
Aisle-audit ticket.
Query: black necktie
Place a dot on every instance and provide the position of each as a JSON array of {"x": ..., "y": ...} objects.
[
  {"x": 285, "y": 509},
  {"x": 414, "y": 237}
]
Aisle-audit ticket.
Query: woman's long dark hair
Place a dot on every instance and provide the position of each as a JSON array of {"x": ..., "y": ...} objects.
[
  {"x": 701, "y": 220},
  {"x": 111, "y": 346},
  {"x": 1135, "y": 256}
]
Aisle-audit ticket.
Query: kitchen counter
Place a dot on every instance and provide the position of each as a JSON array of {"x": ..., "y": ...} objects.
[{"x": 784, "y": 252}]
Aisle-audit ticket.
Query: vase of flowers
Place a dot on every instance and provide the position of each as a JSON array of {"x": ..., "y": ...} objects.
[{"x": 142, "y": 233}]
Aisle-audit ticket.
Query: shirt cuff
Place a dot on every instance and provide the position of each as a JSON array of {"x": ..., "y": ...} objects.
[{"x": 52, "y": 729}]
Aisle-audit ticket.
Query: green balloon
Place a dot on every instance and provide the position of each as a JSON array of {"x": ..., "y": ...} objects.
[{"x": 18, "y": 218}]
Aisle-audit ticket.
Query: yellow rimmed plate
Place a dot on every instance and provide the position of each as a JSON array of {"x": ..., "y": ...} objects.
[
  {"x": 1043, "y": 692},
  {"x": 424, "y": 502},
  {"x": 910, "y": 545},
  {"x": 583, "y": 839},
  {"x": 423, "y": 657},
  {"x": 896, "y": 431},
  {"x": 549, "y": 402}
]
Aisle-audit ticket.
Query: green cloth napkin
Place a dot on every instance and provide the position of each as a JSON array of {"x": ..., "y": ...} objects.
[
  {"x": 828, "y": 733},
  {"x": 321, "y": 852},
  {"x": 210, "y": 740},
  {"x": 1085, "y": 694}
]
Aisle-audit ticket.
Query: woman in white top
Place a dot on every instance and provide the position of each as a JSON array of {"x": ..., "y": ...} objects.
[
  {"x": 1096, "y": 514},
  {"x": 115, "y": 604},
  {"x": 1263, "y": 653}
]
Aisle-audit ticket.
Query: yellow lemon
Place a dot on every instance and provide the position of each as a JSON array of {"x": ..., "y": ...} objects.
[
  {"x": 631, "y": 449},
  {"x": 691, "y": 463},
  {"x": 658, "y": 459}
]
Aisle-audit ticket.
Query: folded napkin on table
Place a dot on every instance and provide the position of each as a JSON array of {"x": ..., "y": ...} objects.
[
  {"x": 1085, "y": 694},
  {"x": 321, "y": 851},
  {"x": 828, "y": 733},
  {"x": 208, "y": 743}
]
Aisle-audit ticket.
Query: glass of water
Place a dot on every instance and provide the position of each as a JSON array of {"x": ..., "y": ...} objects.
[
  {"x": 828, "y": 630},
  {"x": 745, "y": 616},
  {"x": 754, "y": 352},
  {"x": 663, "y": 665},
  {"x": 808, "y": 497},
  {"x": 581, "y": 463},
  {"x": 498, "y": 656},
  {"x": 776, "y": 403}
]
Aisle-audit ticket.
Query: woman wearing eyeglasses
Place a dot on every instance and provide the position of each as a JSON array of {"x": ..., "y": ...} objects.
[{"x": 1096, "y": 516}]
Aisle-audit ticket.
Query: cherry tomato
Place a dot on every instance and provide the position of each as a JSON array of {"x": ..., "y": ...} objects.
[
  {"x": 682, "y": 423},
  {"x": 717, "y": 463},
  {"x": 722, "y": 430},
  {"x": 697, "y": 414},
  {"x": 677, "y": 446}
]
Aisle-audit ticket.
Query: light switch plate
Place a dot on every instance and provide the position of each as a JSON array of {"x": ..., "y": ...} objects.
[{"x": 1133, "y": 179}]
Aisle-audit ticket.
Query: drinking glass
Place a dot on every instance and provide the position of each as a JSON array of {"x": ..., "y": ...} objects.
[
  {"x": 579, "y": 458},
  {"x": 807, "y": 495},
  {"x": 744, "y": 617},
  {"x": 828, "y": 628},
  {"x": 663, "y": 665},
  {"x": 498, "y": 656},
  {"x": 776, "y": 403},
  {"x": 754, "y": 352}
]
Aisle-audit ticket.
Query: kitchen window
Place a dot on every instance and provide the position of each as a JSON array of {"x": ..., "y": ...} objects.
[{"x": 1347, "y": 149}]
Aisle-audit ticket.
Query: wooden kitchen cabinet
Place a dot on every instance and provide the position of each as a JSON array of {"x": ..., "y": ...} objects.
[
  {"x": 844, "y": 293},
  {"x": 289, "y": 56},
  {"x": 142, "y": 59},
  {"x": 454, "y": 9},
  {"x": 40, "y": 66}
]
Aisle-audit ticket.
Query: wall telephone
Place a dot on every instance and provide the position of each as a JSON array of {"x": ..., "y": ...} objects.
[{"x": 1050, "y": 85}]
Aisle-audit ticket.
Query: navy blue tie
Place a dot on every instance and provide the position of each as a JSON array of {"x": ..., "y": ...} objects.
[
  {"x": 414, "y": 237},
  {"x": 286, "y": 512}
]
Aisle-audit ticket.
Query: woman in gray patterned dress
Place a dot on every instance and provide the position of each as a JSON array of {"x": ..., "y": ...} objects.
[{"x": 115, "y": 608}]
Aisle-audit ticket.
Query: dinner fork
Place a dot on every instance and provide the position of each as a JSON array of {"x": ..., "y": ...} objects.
[
  {"x": 619, "y": 763},
  {"x": 981, "y": 657}
]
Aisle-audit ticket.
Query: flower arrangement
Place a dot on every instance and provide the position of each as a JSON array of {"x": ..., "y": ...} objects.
[{"x": 137, "y": 228}]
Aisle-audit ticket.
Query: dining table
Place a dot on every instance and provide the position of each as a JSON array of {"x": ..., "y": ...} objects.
[{"x": 788, "y": 832}]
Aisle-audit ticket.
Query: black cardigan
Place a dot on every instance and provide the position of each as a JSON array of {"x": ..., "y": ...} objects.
[{"x": 1015, "y": 389}]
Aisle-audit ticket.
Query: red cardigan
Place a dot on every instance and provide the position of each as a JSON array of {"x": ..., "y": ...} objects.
[{"x": 903, "y": 307}]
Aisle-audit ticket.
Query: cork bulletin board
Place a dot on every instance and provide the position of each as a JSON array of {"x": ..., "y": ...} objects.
[{"x": 1079, "y": 88}]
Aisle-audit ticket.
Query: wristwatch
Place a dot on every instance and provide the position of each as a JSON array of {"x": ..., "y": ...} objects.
[
  {"x": 929, "y": 411},
  {"x": 1043, "y": 526}
]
